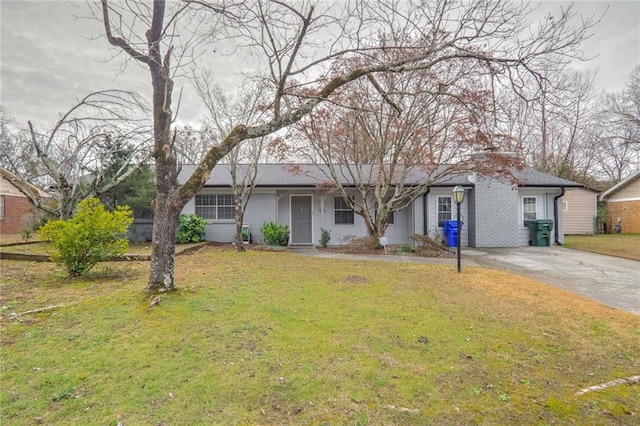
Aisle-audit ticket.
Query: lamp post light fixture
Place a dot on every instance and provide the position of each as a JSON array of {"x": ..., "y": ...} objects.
[{"x": 458, "y": 198}]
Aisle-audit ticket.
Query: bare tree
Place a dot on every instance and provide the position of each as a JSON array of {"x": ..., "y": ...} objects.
[
  {"x": 293, "y": 47},
  {"x": 557, "y": 131},
  {"x": 222, "y": 114},
  {"x": 618, "y": 150},
  {"x": 73, "y": 158},
  {"x": 625, "y": 106},
  {"x": 191, "y": 144},
  {"x": 382, "y": 152}
]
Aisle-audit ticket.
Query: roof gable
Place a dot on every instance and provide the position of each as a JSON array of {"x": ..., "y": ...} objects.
[{"x": 620, "y": 185}]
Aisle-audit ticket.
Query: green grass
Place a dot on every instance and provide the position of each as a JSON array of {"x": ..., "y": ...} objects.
[
  {"x": 621, "y": 245},
  {"x": 277, "y": 338},
  {"x": 43, "y": 248}
]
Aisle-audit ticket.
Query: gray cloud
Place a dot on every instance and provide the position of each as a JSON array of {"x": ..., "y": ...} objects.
[{"x": 50, "y": 57}]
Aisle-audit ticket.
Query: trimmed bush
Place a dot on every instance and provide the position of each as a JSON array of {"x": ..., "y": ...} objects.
[
  {"x": 274, "y": 234},
  {"x": 89, "y": 237},
  {"x": 191, "y": 230},
  {"x": 325, "y": 237}
]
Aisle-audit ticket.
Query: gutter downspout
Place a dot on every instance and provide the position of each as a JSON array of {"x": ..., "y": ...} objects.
[
  {"x": 425, "y": 218},
  {"x": 556, "y": 215}
]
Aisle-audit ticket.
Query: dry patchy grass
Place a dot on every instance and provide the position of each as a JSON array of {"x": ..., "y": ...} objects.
[
  {"x": 278, "y": 338},
  {"x": 43, "y": 248},
  {"x": 621, "y": 245}
]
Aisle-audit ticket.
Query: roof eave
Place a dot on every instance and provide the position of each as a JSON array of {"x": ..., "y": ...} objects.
[{"x": 619, "y": 185}]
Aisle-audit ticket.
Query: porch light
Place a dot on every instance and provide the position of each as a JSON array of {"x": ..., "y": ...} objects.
[
  {"x": 458, "y": 194},
  {"x": 458, "y": 198}
]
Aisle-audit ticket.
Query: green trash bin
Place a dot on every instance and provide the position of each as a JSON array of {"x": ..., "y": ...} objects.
[{"x": 540, "y": 232}]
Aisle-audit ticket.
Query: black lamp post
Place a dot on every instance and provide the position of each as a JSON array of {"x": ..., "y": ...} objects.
[{"x": 458, "y": 198}]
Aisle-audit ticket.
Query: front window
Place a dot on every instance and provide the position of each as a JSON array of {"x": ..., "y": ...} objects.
[
  {"x": 343, "y": 214},
  {"x": 528, "y": 210},
  {"x": 444, "y": 210},
  {"x": 215, "y": 206},
  {"x": 1, "y": 206}
]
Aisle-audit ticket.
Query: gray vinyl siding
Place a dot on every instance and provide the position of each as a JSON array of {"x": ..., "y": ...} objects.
[
  {"x": 260, "y": 208},
  {"x": 491, "y": 214},
  {"x": 400, "y": 231},
  {"x": 544, "y": 210},
  {"x": 341, "y": 233},
  {"x": 432, "y": 214},
  {"x": 418, "y": 216}
]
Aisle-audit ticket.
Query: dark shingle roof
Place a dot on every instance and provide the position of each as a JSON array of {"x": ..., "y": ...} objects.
[
  {"x": 530, "y": 177},
  {"x": 308, "y": 175}
]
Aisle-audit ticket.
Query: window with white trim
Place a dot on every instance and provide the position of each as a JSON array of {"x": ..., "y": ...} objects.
[
  {"x": 529, "y": 210},
  {"x": 444, "y": 209},
  {"x": 215, "y": 206},
  {"x": 342, "y": 213},
  {"x": 1, "y": 206}
]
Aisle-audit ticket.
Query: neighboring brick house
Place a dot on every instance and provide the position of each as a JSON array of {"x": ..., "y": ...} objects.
[
  {"x": 623, "y": 204},
  {"x": 495, "y": 213},
  {"x": 16, "y": 210}
]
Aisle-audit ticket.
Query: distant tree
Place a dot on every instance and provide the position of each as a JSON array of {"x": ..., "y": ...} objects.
[
  {"x": 137, "y": 191},
  {"x": 618, "y": 151},
  {"x": 17, "y": 154},
  {"x": 191, "y": 144},
  {"x": 293, "y": 48},
  {"x": 626, "y": 106},
  {"x": 556, "y": 131},
  {"x": 222, "y": 113}
]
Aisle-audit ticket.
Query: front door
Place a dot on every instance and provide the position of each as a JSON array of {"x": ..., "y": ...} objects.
[{"x": 301, "y": 223}]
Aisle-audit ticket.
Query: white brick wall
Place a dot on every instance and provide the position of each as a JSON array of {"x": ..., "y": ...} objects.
[{"x": 496, "y": 207}]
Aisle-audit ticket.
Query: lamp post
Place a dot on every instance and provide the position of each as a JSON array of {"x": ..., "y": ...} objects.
[{"x": 458, "y": 198}]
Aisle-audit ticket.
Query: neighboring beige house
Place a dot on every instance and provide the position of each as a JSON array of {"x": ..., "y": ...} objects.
[
  {"x": 580, "y": 207},
  {"x": 16, "y": 210},
  {"x": 623, "y": 204}
]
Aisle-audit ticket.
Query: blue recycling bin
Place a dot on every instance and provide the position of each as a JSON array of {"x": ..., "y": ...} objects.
[{"x": 451, "y": 232}]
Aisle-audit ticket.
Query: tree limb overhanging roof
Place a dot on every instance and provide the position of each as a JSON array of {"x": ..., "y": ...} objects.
[{"x": 310, "y": 175}]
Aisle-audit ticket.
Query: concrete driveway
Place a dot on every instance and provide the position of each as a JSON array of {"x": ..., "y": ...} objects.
[{"x": 610, "y": 280}]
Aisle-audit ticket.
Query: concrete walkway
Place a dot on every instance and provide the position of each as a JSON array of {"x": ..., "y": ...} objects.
[{"x": 612, "y": 281}]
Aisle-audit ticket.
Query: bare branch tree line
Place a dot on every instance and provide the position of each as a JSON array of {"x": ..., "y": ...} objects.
[{"x": 384, "y": 81}]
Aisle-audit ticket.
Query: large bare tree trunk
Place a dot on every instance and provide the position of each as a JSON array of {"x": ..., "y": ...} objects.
[
  {"x": 168, "y": 205},
  {"x": 165, "y": 225}
]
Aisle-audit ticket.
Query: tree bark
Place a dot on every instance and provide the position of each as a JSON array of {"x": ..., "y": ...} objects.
[
  {"x": 168, "y": 204},
  {"x": 239, "y": 217},
  {"x": 165, "y": 225}
]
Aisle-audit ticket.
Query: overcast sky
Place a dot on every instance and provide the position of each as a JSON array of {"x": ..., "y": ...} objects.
[{"x": 49, "y": 58}]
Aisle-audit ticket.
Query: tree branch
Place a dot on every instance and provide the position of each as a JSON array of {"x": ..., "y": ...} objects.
[{"x": 118, "y": 41}]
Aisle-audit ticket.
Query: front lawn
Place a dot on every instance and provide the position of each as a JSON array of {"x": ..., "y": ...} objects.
[
  {"x": 621, "y": 245},
  {"x": 278, "y": 338},
  {"x": 43, "y": 248}
]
